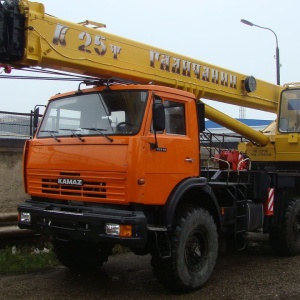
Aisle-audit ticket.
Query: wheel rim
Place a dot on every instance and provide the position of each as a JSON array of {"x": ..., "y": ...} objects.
[
  {"x": 196, "y": 250},
  {"x": 296, "y": 226}
]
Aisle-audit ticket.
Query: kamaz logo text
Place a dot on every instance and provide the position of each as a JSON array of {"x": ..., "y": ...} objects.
[{"x": 69, "y": 181}]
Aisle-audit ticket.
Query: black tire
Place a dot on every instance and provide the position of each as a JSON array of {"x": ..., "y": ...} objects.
[
  {"x": 194, "y": 250},
  {"x": 285, "y": 240},
  {"x": 81, "y": 256}
]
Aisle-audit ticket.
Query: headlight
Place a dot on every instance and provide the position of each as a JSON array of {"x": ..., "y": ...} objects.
[
  {"x": 120, "y": 230},
  {"x": 24, "y": 217}
]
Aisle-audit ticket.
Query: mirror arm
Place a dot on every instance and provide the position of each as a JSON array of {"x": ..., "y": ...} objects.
[{"x": 154, "y": 145}]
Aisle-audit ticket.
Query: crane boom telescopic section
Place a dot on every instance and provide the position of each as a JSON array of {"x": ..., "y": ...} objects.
[{"x": 38, "y": 39}]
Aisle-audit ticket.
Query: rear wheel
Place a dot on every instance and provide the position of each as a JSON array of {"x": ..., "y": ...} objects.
[
  {"x": 285, "y": 240},
  {"x": 193, "y": 253},
  {"x": 79, "y": 255}
]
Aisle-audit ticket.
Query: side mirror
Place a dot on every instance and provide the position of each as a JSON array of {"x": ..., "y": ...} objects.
[
  {"x": 36, "y": 118},
  {"x": 201, "y": 116},
  {"x": 158, "y": 113}
]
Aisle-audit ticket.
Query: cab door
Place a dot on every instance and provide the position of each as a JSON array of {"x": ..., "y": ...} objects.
[{"x": 176, "y": 156}]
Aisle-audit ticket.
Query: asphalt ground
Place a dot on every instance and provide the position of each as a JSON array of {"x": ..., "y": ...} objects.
[{"x": 255, "y": 273}]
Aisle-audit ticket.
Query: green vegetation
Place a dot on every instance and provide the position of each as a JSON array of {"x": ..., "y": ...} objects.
[{"x": 25, "y": 259}]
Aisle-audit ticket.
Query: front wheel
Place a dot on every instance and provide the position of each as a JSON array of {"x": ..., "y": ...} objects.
[{"x": 194, "y": 250}]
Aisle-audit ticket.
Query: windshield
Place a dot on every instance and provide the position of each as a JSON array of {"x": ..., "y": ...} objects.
[
  {"x": 103, "y": 113},
  {"x": 289, "y": 118}
]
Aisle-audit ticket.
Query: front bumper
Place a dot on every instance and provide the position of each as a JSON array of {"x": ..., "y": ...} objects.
[{"x": 83, "y": 223}]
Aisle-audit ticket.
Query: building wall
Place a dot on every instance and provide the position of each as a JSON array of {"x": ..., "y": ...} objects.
[{"x": 11, "y": 181}]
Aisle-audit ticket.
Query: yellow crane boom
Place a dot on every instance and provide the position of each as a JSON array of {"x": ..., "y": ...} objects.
[{"x": 84, "y": 49}]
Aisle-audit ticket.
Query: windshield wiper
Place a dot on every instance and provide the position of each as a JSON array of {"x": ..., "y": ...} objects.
[
  {"x": 74, "y": 133},
  {"x": 100, "y": 131},
  {"x": 52, "y": 133}
]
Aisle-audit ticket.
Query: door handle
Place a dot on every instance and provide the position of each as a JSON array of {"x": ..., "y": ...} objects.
[{"x": 189, "y": 160}]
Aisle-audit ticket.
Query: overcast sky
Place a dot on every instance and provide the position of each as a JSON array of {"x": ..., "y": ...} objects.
[{"x": 209, "y": 31}]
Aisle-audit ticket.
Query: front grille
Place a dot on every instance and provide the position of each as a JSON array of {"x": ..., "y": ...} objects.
[
  {"x": 105, "y": 186},
  {"x": 90, "y": 189}
]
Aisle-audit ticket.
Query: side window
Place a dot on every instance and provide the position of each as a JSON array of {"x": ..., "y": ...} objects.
[
  {"x": 289, "y": 120},
  {"x": 175, "y": 117}
]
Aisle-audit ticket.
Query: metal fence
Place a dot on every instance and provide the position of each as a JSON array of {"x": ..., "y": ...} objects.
[{"x": 14, "y": 125}]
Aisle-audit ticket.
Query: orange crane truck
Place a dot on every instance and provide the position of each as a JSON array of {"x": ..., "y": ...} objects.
[{"x": 118, "y": 162}]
